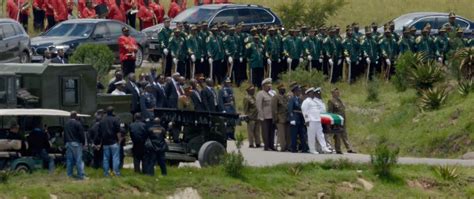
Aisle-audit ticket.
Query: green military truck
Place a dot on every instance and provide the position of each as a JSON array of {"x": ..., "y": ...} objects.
[{"x": 57, "y": 86}]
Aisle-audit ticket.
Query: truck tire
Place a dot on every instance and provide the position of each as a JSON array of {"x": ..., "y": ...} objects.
[
  {"x": 210, "y": 153},
  {"x": 22, "y": 169},
  {"x": 139, "y": 57}
]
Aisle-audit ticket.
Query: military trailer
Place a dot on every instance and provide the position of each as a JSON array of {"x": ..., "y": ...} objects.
[{"x": 56, "y": 86}]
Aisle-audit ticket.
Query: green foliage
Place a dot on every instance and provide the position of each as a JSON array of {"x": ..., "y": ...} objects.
[
  {"x": 98, "y": 55},
  {"x": 233, "y": 163},
  {"x": 465, "y": 87},
  {"x": 5, "y": 176},
  {"x": 303, "y": 76},
  {"x": 446, "y": 172},
  {"x": 314, "y": 14},
  {"x": 465, "y": 56},
  {"x": 373, "y": 91},
  {"x": 239, "y": 140},
  {"x": 295, "y": 170},
  {"x": 433, "y": 99},
  {"x": 384, "y": 159},
  {"x": 339, "y": 164},
  {"x": 404, "y": 64},
  {"x": 424, "y": 76}
]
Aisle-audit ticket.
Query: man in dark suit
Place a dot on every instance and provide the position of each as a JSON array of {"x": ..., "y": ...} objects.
[
  {"x": 132, "y": 88},
  {"x": 60, "y": 58},
  {"x": 118, "y": 77},
  {"x": 173, "y": 91},
  {"x": 196, "y": 97},
  {"x": 159, "y": 91},
  {"x": 209, "y": 97}
]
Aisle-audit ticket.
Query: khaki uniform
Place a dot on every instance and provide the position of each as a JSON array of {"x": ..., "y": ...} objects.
[
  {"x": 253, "y": 125},
  {"x": 280, "y": 118},
  {"x": 185, "y": 103},
  {"x": 336, "y": 106}
]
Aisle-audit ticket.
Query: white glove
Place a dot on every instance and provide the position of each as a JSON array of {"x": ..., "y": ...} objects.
[
  {"x": 241, "y": 59},
  {"x": 289, "y": 60},
  {"x": 301, "y": 60},
  {"x": 175, "y": 61},
  {"x": 202, "y": 60},
  {"x": 293, "y": 122},
  {"x": 269, "y": 62},
  {"x": 388, "y": 62},
  {"x": 367, "y": 60},
  {"x": 170, "y": 124},
  {"x": 320, "y": 60},
  {"x": 165, "y": 51},
  {"x": 230, "y": 60},
  {"x": 310, "y": 58},
  {"x": 331, "y": 62},
  {"x": 210, "y": 60},
  {"x": 348, "y": 60},
  {"x": 339, "y": 61},
  {"x": 360, "y": 58},
  {"x": 193, "y": 58},
  {"x": 440, "y": 59},
  {"x": 279, "y": 60}
]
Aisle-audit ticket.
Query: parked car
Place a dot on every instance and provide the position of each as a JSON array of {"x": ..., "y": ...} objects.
[
  {"x": 232, "y": 14},
  {"x": 14, "y": 42},
  {"x": 70, "y": 34},
  {"x": 436, "y": 19}
]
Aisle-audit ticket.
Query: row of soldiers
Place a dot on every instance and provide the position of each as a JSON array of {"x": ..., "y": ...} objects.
[{"x": 226, "y": 51}]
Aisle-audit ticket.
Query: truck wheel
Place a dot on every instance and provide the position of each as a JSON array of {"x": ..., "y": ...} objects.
[
  {"x": 210, "y": 153},
  {"x": 139, "y": 57},
  {"x": 22, "y": 169}
]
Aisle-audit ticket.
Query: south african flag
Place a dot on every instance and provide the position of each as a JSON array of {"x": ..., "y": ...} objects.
[{"x": 332, "y": 119}]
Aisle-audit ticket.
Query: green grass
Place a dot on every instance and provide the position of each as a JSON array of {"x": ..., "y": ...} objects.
[{"x": 269, "y": 182}]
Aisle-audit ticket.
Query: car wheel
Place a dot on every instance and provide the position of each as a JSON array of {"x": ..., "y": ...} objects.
[
  {"x": 24, "y": 57},
  {"x": 22, "y": 169},
  {"x": 139, "y": 57},
  {"x": 210, "y": 153}
]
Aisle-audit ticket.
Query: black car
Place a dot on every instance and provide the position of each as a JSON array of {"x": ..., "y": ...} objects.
[
  {"x": 232, "y": 14},
  {"x": 70, "y": 34},
  {"x": 14, "y": 42},
  {"x": 435, "y": 19}
]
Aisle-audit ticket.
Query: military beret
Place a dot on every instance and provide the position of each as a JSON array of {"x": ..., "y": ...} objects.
[
  {"x": 271, "y": 29},
  {"x": 214, "y": 28},
  {"x": 253, "y": 29},
  {"x": 451, "y": 14},
  {"x": 374, "y": 24},
  {"x": 267, "y": 81},
  {"x": 232, "y": 28},
  {"x": 176, "y": 30},
  {"x": 334, "y": 89},
  {"x": 309, "y": 90},
  {"x": 250, "y": 87},
  {"x": 460, "y": 30},
  {"x": 355, "y": 24},
  {"x": 176, "y": 74},
  {"x": 194, "y": 28},
  {"x": 281, "y": 86},
  {"x": 295, "y": 87}
]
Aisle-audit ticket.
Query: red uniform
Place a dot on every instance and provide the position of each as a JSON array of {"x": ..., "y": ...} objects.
[
  {"x": 88, "y": 13},
  {"x": 221, "y": 1},
  {"x": 145, "y": 14},
  {"x": 116, "y": 12},
  {"x": 174, "y": 10},
  {"x": 13, "y": 9},
  {"x": 38, "y": 4},
  {"x": 60, "y": 8},
  {"x": 202, "y": 2},
  {"x": 128, "y": 4},
  {"x": 159, "y": 11},
  {"x": 127, "y": 48},
  {"x": 48, "y": 7}
]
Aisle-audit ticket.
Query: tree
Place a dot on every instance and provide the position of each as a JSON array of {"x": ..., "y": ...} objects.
[
  {"x": 313, "y": 13},
  {"x": 98, "y": 55}
]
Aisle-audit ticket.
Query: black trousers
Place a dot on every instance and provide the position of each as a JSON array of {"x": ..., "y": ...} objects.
[
  {"x": 38, "y": 17},
  {"x": 268, "y": 134},
  {"x": 240, "y": 71},
  {"x": 97, "y": 161},
  {"x": 355, "y": 71},
  {"x": 138, "y": 159},
  {"x": 315, "y": 65},
  {"x": 51, "y": 21},
  {"x": 181, "y": 68},
  {"x": 132, "y": 20},
  {"x": 128, "y": 67},
  {"x": 24, "y": 21},
  {"x": 336, "y": 71},
  {"x": 295, "y": 63},
  {"x": 299, "y": 138},
  {"x": 219, "y": 68},
  {"x": 276, "y": 69},
  {"x": 256, "y": 75},
  {"x": 150, "y": 160},
  {"x": 169, "y": 65}
]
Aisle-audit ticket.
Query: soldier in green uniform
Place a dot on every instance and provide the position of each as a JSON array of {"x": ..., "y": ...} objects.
[
  {"x": 313, "y": 47},
  {"x": 424, "y": 43},
  {"x": 452, "y": 22},
  {"x": 404, "y": 44},
  {"x": 351, "y": 48},
  {"x": 458, "y": 41},
  {"x": 389, "y": 52},
  {"x": 231, "y": 45},
  {"x": 253, "y": 125},
  {"x": 177, "y": 48},
  {"x": 254, "y": 55},
  {"x": 391, "y": 27},
  {"x": 273, "y": 51},
  {"x": 355, "y": 31},
  {"x": 163, "y": 38},
  {"x": 441, "y": 45},
  {"x": 413, "y": 38},
  {"x": 279, "y": 106},
  {"x": 335, "y": 105},
  {"x": 193, "y": 43},
  {"x": 216, "y": 55},
  {"x": 292, "y": 50},
  {"x": 370, "y": 53},
  {"x": 332, "y": 47},
  {"x": 375, "y": 33},
  {"x": 240, "y": 64}
]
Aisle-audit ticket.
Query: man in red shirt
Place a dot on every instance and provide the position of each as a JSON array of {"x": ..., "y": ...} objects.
[
  {"x": 48, "y": 7},
  {"x": 116, "y": 11},
  {"x": 146, "y": 15},
  {"x": 88, "y": 12},
  {"x": 19, "y": 10},
  {"x": 60, "y": 9},
  {"x": 174, "y": 10},
  {"x": 128, "y": 6},
  {"x": 158, "y": 10},
  {"x": 127, "y": 49},
  {"x": 221, "y": 1},
  {"x": 38, "y": 15}
]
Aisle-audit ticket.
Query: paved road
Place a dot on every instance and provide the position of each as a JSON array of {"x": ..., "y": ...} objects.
[{"x": 260, "y": 158}]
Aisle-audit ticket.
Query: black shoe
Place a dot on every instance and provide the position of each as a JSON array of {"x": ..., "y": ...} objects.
[
  {"x": 338, "y": 152},
  {"x": 251, "y": 146},
  {"x": 265, "y": 149},
  {"x": 351, "y": 151},
  {"x": 258, "y": 146}
]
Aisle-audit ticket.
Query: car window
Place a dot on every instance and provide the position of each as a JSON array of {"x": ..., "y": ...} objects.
[
  {"x": 422, "y": 23},
  {"x": 440, "y": 22},
  {"x": 115, "y": 28},
  {"x": 101, "y": 29},
  {"x": 8, "y": 30},
  {"x": 461, "y": 23},
  {"x": 195, "y": 15},
  {"x": 18, "y": 29},
  {"x": 262, "y": 16},
  {"x": 71, "y": 30},
  {"x": 245, "y": 16},
  {"x": 227, "y": 16}
]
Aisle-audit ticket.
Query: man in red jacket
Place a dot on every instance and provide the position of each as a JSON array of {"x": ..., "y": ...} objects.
[
  {"x": 128, "y": 6},
  {"x": 174, "y": 10},
  {"x": 116, "y": 11},
  {"x": 146, "y": 15},
  {"x": 38, "y": 15},
  {"x": 127, "y": 49},
  {"x": 60, "y": 9},
  {"x": 19, "y": 10},
  {"x": 158, "y": 10},
  {"x": 48, "y": 7},
  {"x": 88, "y": 12},
  {"x": 221, "y": 1}
]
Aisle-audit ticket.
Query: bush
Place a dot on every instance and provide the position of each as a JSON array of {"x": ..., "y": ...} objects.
[
  {"x": 373, "y": 91},
  {"x": 424, "y": 76},
  {"x": 234, "y": 161},
  {"x": 303, "y": 76},
  {"x": 465, "y": 87},
  {"x": 4, "y": 176},
  {"x": 313, "y": 14},
  {"x": 98, "y": 55},
  {"x": 433, "y": 99},
  {"x": 339, "y": 164},
  {"x": 449, "y": 173},
  {"x": 295, "y": 170},
  {"x": 384, "y": 159},
  {"x": 465, "y": 58},
  {"x": 404, "y": 64}
]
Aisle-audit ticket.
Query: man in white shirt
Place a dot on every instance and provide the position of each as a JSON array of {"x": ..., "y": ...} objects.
[
  {"x": 322, "y": 109},
  {"x": 312, "y": 117},
  {"x": 119, "y": 88}
]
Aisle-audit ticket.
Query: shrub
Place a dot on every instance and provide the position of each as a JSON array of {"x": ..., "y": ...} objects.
[
  {"x": 404, "y": 64},
  {"x": 4, "y": 176},
  {"x": 465, "y": 56},
  {"x": 303, "y": 76},
  {"x": 373, "y": 91},
  {"x": 313, "y": 14},
  {"x": 465, "y": 87},
  {"x": 449, "y": 173},
  {"x": 433, "y": 99},
  {"x": 98, "y": 55},
  {"x": 339, "y": 164},
  {"x": 295, "y": 170},
  {"x": 384, "y": 159},
  {"x": 233, "y": 162},
  {"x": 424, "y": 76}
]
